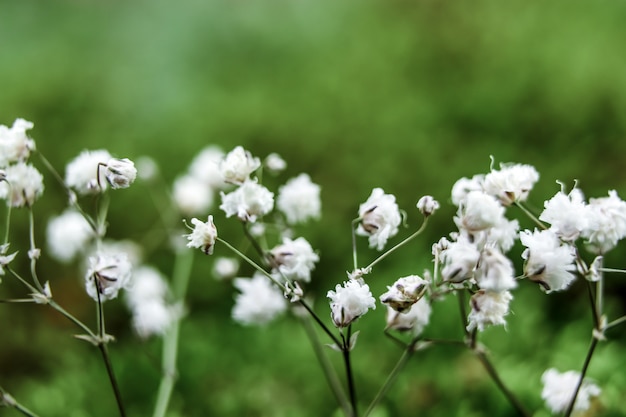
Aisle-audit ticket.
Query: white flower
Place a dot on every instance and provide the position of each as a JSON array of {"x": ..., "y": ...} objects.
[
  {"x": 559, "y": 388},
  {"x": 148, "y": 284},
  {"x": 191, "y": 195},
  {"x": 350, "y": 302},
  {"x": 548, "y": 262},
  {"x": 15, "y": 145},
  {"x": 259, "y": 301},
  {"x": 503, "y": 234},
  {"x": 380, "y": 218},
  {"x": 203, "y": 235},
  {"x": 295, "y": 259},
  {"x": 299, "y": 199},
  {"x": 567, "y": 214},
  {"x": 5, "y": 259},
  {"x": 67, "y": 235},
  {"x": 414, "y": 319},
  {"x": 238, "y": 164},
  {"x": 120, "y": 173},
  {"x": 224, "y": 268},
  {"x": 495, "y": 271},
  {"x": 460, "y": 259},
  {"x": 248, "y": 202},
  {"x": 427, "y": 205},
  {"x": 511, "y": 183},
  {"x": 206, "y": 166},
  {"x": 405, "y": 292},
  {"x": 607, "y": 223},
  {"x": 464, "y": 186},
  {"x": 488, "y": 309},
  {"x": 147, "y": 168},
  {"x": 275, "y": 163},
  {"x": 480, "y": 211},
  {"x": 81, "y": 174},
  {"x": 107, "y": 274},
  {"x": 22, "y": 186}
]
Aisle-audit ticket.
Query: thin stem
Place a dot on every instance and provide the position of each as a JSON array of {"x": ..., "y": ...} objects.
[
  {"x": 329, "y": 370},
  {"x": 592, "y": 347},
  {"x": 33, "y": 248},
  {"x": 612, "y": 270},
  {"x": 116, "y": 390},
  {"x": 519, "y": 407},
  {"x": 8, "y": 400},
  {"x": 21, "y": 279},
  {"x": 399, "y": 245},
  {"x": 70, "y": 317},
  {"x": 254, "y": 242},
  {"x": 530, "y": 215},
  {"x": 594, "y": 310},
  {"x": 354, "y": 254},
  {"x": 615, "y": 322},
  {"x": 463, "y": 311},
  {"x": 320, "y": 322},
  {"x": 180, "y": 280},
  {"x": 349, "y": 376},
  {"x": 7, "y": 225}
]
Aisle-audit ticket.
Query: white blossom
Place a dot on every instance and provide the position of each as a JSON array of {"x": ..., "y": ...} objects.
[
  {"x": 559, "y": 388},
  {"x": 480, "y": 211},
  {"x": 248, "y": 202},
  {"x": 237, "y": 165},
  {"x": 488, "y": 309},
  {"x": 275, "y": 163},
  {"x": 191, "y": 195},
  {"x": 567, "y": 214},
  {"x": 22, "y": 186},
  {"x": 81, "y": 174},
  {"x": 206, "y": 166},
  {"x": 380, "y": 218},
  {"x": 414, "y": 319},
  {"x": 495, "y": 271},
  {"x": 503, "y": 234},
  {"x": 107, "y": 274},
  {"x": 511, "y": 183},
  {"x": 203, "y": 235},
  {"x": 350, "y": 301},
  {"x": 15, "y": 145},
  {"x": 464, "y": 186},
  {"x": 459, "y": 259},
  {"x": 148, "y": 284},
  {"x": 5, "y": 259},
  {"x": 299, "y": 199},
  {"x": 147, "y": 168},
  {"x": 68, "y": 235},
  {"x": 295, "y": 259},
  {"x": 225, "y": 268},
  {"x": 548, "y": 261},
  {"x": 427, "y": 205},
  {"x": 258, "y": 302},
  {"x": 120, "y": 173},
  {"x": 607, "y": 223},
  {"x": 405, "y": 292}
]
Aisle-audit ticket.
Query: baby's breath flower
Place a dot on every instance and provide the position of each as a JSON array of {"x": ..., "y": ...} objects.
[
  {"x": 225, "y": 268},
  {"x": 295, "y": 259},
  {"x": 414, "y": 319},
  {"x": 15, "y": 145},
  {"x": 299, "y": 199},
  {"x": 559, "y": 388},
  {"x": 22, "y": 186},
  {"x": 5, "y": 259},
  {"x": 203, "y": 235},
  {"x": 607, "y": 223},
  {"x": 480, "y": 211},
  {"x": 511, "y": 183},
  {"x": 67, "y": 235},
  {"x": 464, "y": 186},
  {"x": 81, "y": 174},
  {"x": 350, "y": 301},
  {"x": 259, "y": 302},
  {"x": 405, "y": 292},
  {"x": 567, "y": 214},
  {"x": 191, "y": 195},
  {"x": 459, "y": 259},
  {"x": 495, "y": 271},
  {"x": 206, "y": 166},
  {"x": 120, "y": 173},
  {"x": 380, "y": 218},
  {"x": 107, "y": 274},
  {"x": 275, "y": 163},
  {"x": 238, "y": 164},
  {"x": 548, "y": 261},
  {"x": 488, "y": 309},
  {"x": 427, "y": 205},
  {"x": 248, "y": 202}
]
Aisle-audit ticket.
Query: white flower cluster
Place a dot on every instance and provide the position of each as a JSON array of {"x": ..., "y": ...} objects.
[
  {"x": 68, "y": 235},
  {"x": 258, "y": 302},
  {"x": 559, "y": 388},
  {"x": 91, "y": 171},
  {"x": 107, "y": 274},
  {"x": 350, "y": 301},
  {"x": 380, "y": 218}
]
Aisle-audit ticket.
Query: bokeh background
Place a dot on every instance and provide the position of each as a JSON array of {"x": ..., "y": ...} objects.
[{"x": 404, "y": 95}]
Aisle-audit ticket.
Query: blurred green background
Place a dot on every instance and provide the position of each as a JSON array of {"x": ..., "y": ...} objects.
[{"x": 404, "y": 95}]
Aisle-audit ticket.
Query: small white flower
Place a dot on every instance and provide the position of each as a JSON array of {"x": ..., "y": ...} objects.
[
  {"x": 350, "y": 301},
  {"x": 147, "y": 168},
  {"x": 120, "y": 173},
  {"x": 559, "y": 388},
  {"x": 67, "y": 235},
  {"x": 459, "y": 259},
  {"x": 503, "y": 234},
  {"x": 44, "y": 296},
  {"x": 259, "y": 301},
  {"x": 607, "y": 223},
  {"x": 248, "y": 202},
  {"x": 299, "y": 199},
  {"x": 5, "y": 259},
  {"x": 206, "y": 166},
  {"x": 237, "y": 166},
  {"x": 495, "y": 271},
  {"x": 22, "y": 186},
  {"x": 480, "y": 211},
  {"x": 225, "y": 268},
  {"x": 405, "y": 292},
  {"x": 567, "y": 214},
  {"x": 488, "y": 309},
  {"x": 380, "y": 218},
  {"x": 464, "y": 186},
  {"x": 148, "y": 284},
  {"x": 203, "y": 235},
  {"x": 295, "y": 259},
  {"x": 511, "y": 183},
  {"x": 15, "y": 145},
  {"x": 275, "y": 163},
  {"x": 107, "y": 274},
  {"x": 191, "y": 195},
  {"x": 427, "y": 205},
  {"x": 548, "y": 262},
  {"x": 414, "y": 319},
  {"x": 81, "y": 174}
]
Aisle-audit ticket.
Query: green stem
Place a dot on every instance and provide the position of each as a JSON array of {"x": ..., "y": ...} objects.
[
  {"x": 180, "y": 281},
  {"x": 349, "y": 375},
  {"x": 70, "y": 317},
  {"x": 615, "y": 322},
  {"x": 530, "y": 215},
  {"x": 254, "y": 242},
  {"x": 33, "y": 247},
  {"x": 592, "y": 347},
  {"x": 399, "y": 245},
  {"x": 354, "y": 254},
  {"x": 8, "y": 400},
  {"x": 7, "y": 224},
  {"x": 612, "y": 270}
]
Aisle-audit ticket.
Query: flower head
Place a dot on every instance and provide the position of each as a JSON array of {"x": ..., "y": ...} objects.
[
  {"x": 203, "y": 236},
  {"x": 22, "y": 185},
  {"x": 427, "y": 205},
  {"x": 275, "y": 163},
  {"x": 191, "y": 195},
  {"x": 460, "y": 259},
  {"x": 607, "y": 223},
  {"x": 567, "y": 214},
  {"x": 120, "y": 173},
  {"x": 488, "y": 309},
  {"x": 559, "y": 388},
  {"x": 480, "y": 211},
  {"x": 299, "y": 199},
  {"x": 495, "y": 271},
  {"x": 237, "y": 166},
  {"x": 67, "y": 235},
  {"x": 258, "y": 302},
  {"x": 106, "y": 275},
  {"x": 350, "y": 301},
  {"x": 414, "y": 319},
  {"x": 15, "y": 145},
  {"x": 511, "y": 183},
  {"x": 81, "y": 174},
  {"x": 225, "y": 268},
  {"x": 248, "y": 202},
  {"x": 405, "y": 292},
  {"x": 295, "y": 259},
  {"x": 380, "y": 218},
  {"x": 548, "y": 262},
  {"x": 206, "y": 166}
]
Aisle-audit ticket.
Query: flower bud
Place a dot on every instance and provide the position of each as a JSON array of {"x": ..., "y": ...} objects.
[{"x": 120, "y": 173}]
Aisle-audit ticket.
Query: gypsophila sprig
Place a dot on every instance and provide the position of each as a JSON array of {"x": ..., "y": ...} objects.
[
  {"x": 299, "y": 199},
  {"x": 22, "y": 186},
  {"x": 559, "y": 388},
  {"x": 294, "y": 259},
  {"x": 258, "y": 302},
  {"x": 237, "y": 165},
  {"x": 248, "y": 202},
  {"x": 488, "y": 309},
  {"x": 120, "y": 173},
  {"x": 350, "y": 301},
  {"x": 15, "y": 145},
  {"x": 405, "y": 292},
  {"x": 549, "y": 262},
  {"x": 84, "y": 175},
  {"x": 107, "y": 274},
  {"x": 68, "y": 235},
  {"x": 380, "y": 218},
  {"x": 203, "y": 235}
]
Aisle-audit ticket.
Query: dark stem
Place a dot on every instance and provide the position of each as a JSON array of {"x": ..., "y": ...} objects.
[
  {"x": 116, "y": 389},
  {"x": 320, "y": 322},
  {"x": 254, "y": 242},
  {"x": 592, "y": 348},
  {"x": 346, "y": 358}
]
